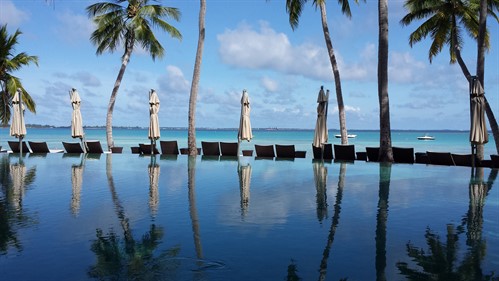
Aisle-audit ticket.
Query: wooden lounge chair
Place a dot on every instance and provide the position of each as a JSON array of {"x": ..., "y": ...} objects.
[
  {"x": 403, "y": 155},
  {"x": 285, "y": 151},
  {"x": 210, "y": 148},
  {"x": 495, "y": 160},
  {"x": 421, "y": 158},
  {"x": 14, "y": 146},
  {"x": 72, "y": 147},
  {"x": 185, "y": 151},
  {"x": 169, "y": 147},
  {"x": 327, "y": 154},
  {"x": 264, "y": 151},
  {"x": 117, "y": 149},
  {"x": 39, "y": 147},
  {"x": 361, "y": 155},
  {"x": 372, "y": 154},
  {"x": 228, "y": 148},
  {"x": 462, "y": 159},
  {"x": 135, "y": 149},
  {"x": 344, "y": 152},
  {"x": 94, "y": 146},
  {"x": 440, "y": 158},
  {"x": 146, "y": 149}
]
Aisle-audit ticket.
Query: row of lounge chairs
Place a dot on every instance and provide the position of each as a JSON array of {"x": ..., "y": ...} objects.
[{"x": 69, "y": 147}]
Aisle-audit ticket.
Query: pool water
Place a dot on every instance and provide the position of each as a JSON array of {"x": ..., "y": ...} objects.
[{"x": 130, "y": 217}]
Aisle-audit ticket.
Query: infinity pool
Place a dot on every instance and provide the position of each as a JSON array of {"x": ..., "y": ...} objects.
[{"x": 127, "y": 217}]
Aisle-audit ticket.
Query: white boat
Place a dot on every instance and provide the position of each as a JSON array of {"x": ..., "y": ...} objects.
[
  {"x": 426, "y": 137},
  {"x": 349, "y": 136}
]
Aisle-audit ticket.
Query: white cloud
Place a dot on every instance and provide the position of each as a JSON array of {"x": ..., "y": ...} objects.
[
  {"x": 74, "y": 28},
  {"x": 403, "y": 68},
  {"x": 265, "y": 48},
  {"x": 10, "y": 14},
  {"x": 270, "y": 85},
  {"x": 174, "y": 81}
]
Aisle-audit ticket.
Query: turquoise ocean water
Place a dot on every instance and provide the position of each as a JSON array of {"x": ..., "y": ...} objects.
[{"x": 451, "y": 141}]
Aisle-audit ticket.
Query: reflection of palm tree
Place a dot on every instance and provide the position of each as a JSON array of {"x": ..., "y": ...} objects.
[
  {"x": 385, "y": 171},
  {"x": 191, "y": 184},
  {"x": 126, "y": 258},
  {"x": 439, "y": 262},
  {"x": 334, "y": 222},
  {"x": 292, "y": 272},
  {"x": 12, "y": 215}
]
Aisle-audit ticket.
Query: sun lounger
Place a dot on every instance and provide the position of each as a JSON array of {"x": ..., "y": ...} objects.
[
  {"x": 38, "y": 147},
  {"x": 228, "y": 148},
  {"x": 403, "y": 155},
  {"x": 94, "y": 146},
  {"x": 117, "y": 149},
  {"x": 185, "y": 151},
  {"x": 14, "y": 146},
  {"x": 495, "y": 160},
  {"x": 146, "y": 149},
  {"x": 264, "y": 151},
  {"x": 285, "y": 151},
  {"x": 344, "y": 152},
  {"x": 169, "y": 147},
  {"x": 135, "y": 149},
  {"x": 421, "y": 158},
  {"x": 462, "y": 159},
  {"x": 372, "y": 154},
  {"x": 327, "y": 154},
  {"x": 440, "y": 158},
  {"x": 72, "y": 147},
  {"x": 210, "y": 148}
]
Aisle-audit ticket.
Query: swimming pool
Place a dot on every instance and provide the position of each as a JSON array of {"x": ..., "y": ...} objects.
[{"x": 126, "y": 217}]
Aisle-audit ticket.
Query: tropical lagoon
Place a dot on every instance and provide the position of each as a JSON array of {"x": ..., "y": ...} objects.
[{"x": 132, "y": 217}]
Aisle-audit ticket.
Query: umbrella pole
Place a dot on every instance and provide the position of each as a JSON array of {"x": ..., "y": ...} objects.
[{"x": 21, "y": 122}]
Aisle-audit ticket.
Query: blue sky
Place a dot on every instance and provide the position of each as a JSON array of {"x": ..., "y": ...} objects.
[{"x": 249, "y": 45}]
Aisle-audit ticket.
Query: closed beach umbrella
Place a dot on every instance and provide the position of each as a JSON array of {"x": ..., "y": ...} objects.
[
  {"x": 244, "y": 172},
  {"x": 245, "y": 132},
  {"x": 154, "y": 132},
  {"x": 320, "y": 178},
  {"x": 76, "y": 119},
  {"x": 17, "y": 126},
  {"x": 321, "y": 133},
  {"x": 153, "y": 187},
  {"x": 478, "y": 129}
]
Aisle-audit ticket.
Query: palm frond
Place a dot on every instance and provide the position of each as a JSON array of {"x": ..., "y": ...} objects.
[{"x": 294, "y": 9}]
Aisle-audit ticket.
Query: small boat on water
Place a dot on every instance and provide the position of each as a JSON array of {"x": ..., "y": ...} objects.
[
  {"x": 426, "y": 137},
  {"x": 349, "y": 136}
]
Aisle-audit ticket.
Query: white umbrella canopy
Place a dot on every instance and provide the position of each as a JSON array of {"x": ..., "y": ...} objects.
[
  {"x": 17, "y": 126},
  {"x": 321, "y": 133},
  {"x": 154, "y": 132},
  {"x": 245, "y": 132},
  {"x": 478, "y": 128},
  {"x": 76, "y": 119}
]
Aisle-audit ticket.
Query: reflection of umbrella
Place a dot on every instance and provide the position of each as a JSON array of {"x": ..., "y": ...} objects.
[
  {"x": 18, "y": 174},
  {"x": 244, "y": 132},
  {"x": 76, "y": 119},
  {"x": 320, "y": 178},
  {"x": 17, "y": 127},
  {"x": 153, "y": 187},
  {"x": 478, "y": 128},
  {"x": 154, "y": 133},
  {"x": 76, "y": 183},
  {"x": 321, "y": 133},
  {"x": 244, "y": 173}
]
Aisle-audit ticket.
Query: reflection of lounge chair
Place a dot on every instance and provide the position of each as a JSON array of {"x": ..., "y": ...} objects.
[
  {"x": 440, "y": 158},
  {"x": 169, "y": 147},
  {"x": 372, "y": 154},
  {"x": 38, "y": 147},
  {"x": 210, "y": 148},
  {"x": 462, "y": 159},
  {"x": 285, "y": 151},
  {"x": 403, "y": 155},
  {"x": 146, "y": 149},
  {"x": 94, "y": 146},
  {"x": 72, "y": 147},
  {"x": 14, "y": 146},
  {"x": 228, "y": 148},
  {"x": 264, "y": 151},
  {"x": 344, "y": 152}
]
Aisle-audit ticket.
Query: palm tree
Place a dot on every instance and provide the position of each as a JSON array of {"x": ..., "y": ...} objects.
[
  {"x": 385, "y": 138},
  {"x": 445, "y": 20},
  {"x": 294, "y": 9},
  {"x": 191, "y": 134},
  {"x": 10, "y": 62},
  {"x": 129, "y": 26}
]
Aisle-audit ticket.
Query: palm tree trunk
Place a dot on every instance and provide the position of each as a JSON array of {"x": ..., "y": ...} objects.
[
  {"x": 336, "y": 73},
  {"x": 112, "y": 100},
  {"x": 385, "y": 139},
  {"x": 191, "y": 134}
]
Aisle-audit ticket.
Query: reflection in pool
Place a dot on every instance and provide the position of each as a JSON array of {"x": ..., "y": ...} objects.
[{"x": 122, "y": 217}]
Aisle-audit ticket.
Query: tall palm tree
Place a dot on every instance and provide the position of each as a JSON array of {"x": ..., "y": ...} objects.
[
  {"x": 444, "y": 22},
  {"x": 127, "y": 23},
  {"x": 385, "y": 138},
  {"x": 191, "y": 134},
  {"x": 294, "y": 9},
  {"x": 10, "y": 62}
]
